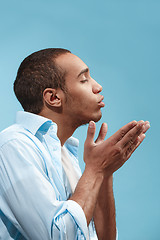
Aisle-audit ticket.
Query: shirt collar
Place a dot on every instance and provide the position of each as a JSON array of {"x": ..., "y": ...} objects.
[
  {"x": 72, "y": 141},
  {"x": 33, "y": 122}
]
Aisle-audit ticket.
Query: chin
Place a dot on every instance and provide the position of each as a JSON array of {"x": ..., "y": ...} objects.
[
  {"x": 97, "y": 117},
  {"x": 94, "y": 117}
]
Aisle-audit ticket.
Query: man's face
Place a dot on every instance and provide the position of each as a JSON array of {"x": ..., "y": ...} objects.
[{"x": 82, "y": 102}]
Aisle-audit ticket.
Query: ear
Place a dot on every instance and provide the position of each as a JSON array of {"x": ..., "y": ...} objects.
[{"x": 52, "y": 97}]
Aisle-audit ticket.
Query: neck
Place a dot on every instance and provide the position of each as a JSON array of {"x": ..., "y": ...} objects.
[{"x": 66, "y": 127}]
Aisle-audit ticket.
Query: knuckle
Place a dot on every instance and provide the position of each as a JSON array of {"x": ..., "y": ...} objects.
[
  {"x": 117, "y": 151},
  {"x": 139, "y": 129},
  {"x": 130, "y": 136},
  {"x": 129, "y": 150},
  {"x": 122, "y": 133},
  {"x": 131, "y": 142}
]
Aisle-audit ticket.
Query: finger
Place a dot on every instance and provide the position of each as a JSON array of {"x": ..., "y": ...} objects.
[
  {"x": 91, "y": 132},
  {"x": 102, "y": 133},
  {"x": 146, "y": 126},
  {"x": 122, "y": 132},
  {"x": 132, "y": 135},
  {"x": 137, "y": 143}
]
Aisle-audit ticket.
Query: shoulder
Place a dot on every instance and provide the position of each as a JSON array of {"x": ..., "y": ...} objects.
[
  {"x": 19, "y": 146},
  {"x": 13, "y": 133}
]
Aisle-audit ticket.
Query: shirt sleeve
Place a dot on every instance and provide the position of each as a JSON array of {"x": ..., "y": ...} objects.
[{"x": 29, "y": 200}]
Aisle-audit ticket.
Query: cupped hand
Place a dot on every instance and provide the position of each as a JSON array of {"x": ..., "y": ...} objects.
[{"x": 107, "y": 156}]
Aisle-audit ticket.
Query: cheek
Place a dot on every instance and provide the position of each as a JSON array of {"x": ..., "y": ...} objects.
[
  {"x": 81, "y": 100},
  {"x": 85, "y": 96},
  {"x": 84, "y": 102}
]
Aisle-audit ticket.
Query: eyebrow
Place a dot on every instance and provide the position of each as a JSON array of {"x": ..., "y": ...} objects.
[{"x": 83, "y": 71}]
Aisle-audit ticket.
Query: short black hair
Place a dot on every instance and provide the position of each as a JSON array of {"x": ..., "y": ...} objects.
[{"x": 37, "y": 72}]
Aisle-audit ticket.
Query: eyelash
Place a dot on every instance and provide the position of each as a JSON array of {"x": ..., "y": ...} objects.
[{"x": 83, "y": 81}]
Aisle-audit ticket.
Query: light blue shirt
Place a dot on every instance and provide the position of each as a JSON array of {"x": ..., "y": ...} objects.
[{"x": 34, "y": 189}]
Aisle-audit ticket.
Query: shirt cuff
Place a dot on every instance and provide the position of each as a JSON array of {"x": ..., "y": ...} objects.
[
  {"x": 116, "y": 234},
  {"x": 78, "y": 214}
]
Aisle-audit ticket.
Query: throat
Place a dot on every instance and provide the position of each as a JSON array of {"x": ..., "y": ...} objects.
[{"x": 64, "y": 132}]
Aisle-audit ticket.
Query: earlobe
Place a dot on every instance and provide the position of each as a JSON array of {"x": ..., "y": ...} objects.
[{"x": 51, "y": 97}]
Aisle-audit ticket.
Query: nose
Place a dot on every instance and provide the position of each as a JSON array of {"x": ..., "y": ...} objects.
[{"x": 97, "y": 88}]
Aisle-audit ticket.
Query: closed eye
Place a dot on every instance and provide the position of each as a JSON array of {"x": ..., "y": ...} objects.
[{"x": 85, "y": 80}]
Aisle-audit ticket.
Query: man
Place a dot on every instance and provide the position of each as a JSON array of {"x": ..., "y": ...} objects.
[{"x": 43, "y": 195}]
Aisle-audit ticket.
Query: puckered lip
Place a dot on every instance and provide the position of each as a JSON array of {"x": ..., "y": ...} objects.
[
  {"x": 101, "y": 99},
  {"x": 100, "y": 103}
]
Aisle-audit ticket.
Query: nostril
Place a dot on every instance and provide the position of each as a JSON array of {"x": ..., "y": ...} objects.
[{"x": 99, "y": 89}]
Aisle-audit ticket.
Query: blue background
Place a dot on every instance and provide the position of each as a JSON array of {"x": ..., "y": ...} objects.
[{"x": 120, "y": 42}]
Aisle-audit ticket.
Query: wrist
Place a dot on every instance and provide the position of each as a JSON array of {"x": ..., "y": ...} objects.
[{"x": 94, "y": 172}]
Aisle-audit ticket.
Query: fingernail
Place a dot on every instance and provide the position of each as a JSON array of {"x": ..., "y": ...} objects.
[
  {"x": 141, "y": 123},
  {"x": 147, "y": 126},
  {"x": 91, "y": 124},
  {"x": 148, "y": 123},
  {"x": 141, "y": 137},
  {"x": 134, "y": 123}
]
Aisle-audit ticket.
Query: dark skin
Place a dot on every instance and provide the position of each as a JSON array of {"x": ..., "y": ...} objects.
[
  {"x": 102, "y": 159},
  {"x": 82, "y": 104}
]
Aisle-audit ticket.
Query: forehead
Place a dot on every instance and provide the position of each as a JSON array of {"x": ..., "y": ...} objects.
[{"x": 71, "y": 64}]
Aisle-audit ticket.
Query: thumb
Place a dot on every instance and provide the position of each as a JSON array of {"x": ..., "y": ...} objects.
[{"x": 91, "y": 132}]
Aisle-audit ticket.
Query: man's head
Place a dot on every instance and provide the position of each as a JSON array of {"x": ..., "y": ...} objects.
[
  {"x": 56, "y": 81},
  {"x": 37, "y": 72},
  {"x": 82, "y": 101}
]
